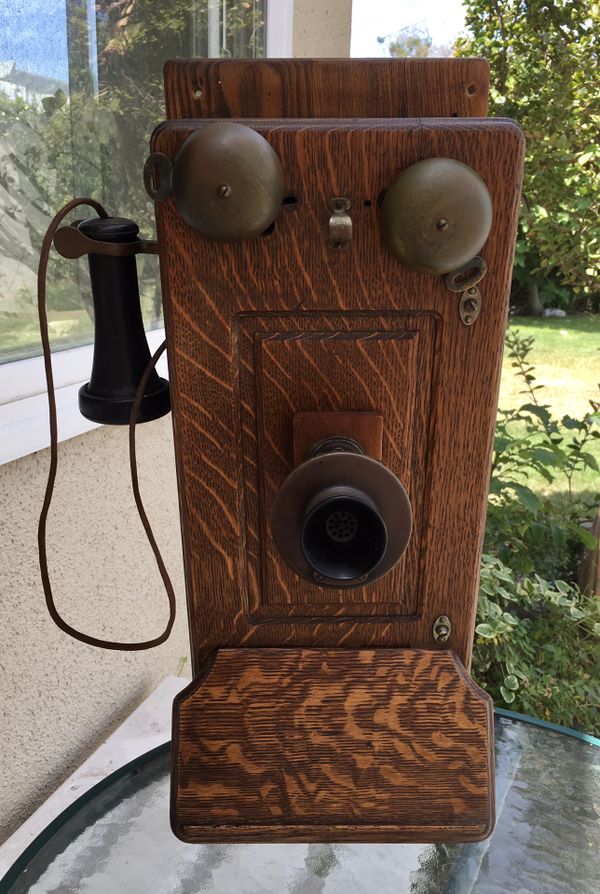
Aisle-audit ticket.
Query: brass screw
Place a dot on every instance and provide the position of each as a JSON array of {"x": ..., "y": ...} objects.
[
  {"x": 442, "y": 224},
  {"x": 470, "y": 305},
  {"x": 442, "y": 629},
  {"x": 224, "y": 191},
  {"x": 339, "y": 204}
]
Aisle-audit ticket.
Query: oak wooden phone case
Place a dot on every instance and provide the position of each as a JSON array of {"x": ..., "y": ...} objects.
[{"x": 319, "y": 713}]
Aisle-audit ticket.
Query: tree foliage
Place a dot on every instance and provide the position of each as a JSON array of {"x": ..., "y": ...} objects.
[
  {"x": 415, "y": 43},
  {"x": 528, "y": 532},
  {"x": 94, "y": 141},
  {"x": 411, "y": 43},
  {"x": 134, "y": 40},
  {"x": 537, "y": 636},
  {"x": 545, "y": 73}
]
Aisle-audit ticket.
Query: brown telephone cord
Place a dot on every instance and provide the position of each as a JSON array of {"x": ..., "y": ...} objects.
[{"x": 43, "y": 557}]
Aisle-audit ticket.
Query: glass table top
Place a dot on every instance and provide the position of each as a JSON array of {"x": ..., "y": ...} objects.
[{"x": 547, "y": 839}]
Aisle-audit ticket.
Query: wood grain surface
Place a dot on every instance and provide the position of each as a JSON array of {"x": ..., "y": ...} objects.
[
  {"x": 310, "y": 428},
  {"x": 333, "y": 745},
  {"x": 258, "y": 331},
  {"x": 326, "y": 88},
  {"x": 331, "y": 738},
  {"x": 350, "y": 362}
]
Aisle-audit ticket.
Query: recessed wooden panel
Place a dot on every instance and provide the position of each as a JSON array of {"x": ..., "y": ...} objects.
[
  {"x": 333, "y": 745},
  {"x": 326, "y": 88},
  {"x": 332, "y": 363}
]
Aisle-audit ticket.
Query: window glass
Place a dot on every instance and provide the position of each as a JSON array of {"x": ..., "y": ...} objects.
[{"x": 80, "y": 93}]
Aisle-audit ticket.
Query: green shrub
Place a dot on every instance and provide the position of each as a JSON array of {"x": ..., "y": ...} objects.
[
  {"x": 528, "y": 532},
  {"x": 537, "y": 646},
  {"x": 547, "y": 539},
  {"x": 537, "y": 642}
]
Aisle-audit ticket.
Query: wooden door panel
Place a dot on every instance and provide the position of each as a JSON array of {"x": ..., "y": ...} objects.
[{"x": 229, "y": 309}]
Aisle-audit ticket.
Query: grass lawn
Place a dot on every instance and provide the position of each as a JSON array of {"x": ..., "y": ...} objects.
[{"x": 566, "y": 357}]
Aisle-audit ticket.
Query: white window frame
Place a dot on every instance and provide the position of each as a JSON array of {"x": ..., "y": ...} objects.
[
  {"x": 280, "y": 28},
  {"x": 24, "y": 425}
]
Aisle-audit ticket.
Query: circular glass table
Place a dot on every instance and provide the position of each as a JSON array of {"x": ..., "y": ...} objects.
[{"x": 116, "y": 838}]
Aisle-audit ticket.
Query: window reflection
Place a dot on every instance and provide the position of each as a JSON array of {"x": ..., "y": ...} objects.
[{"x": 80, "y": 93}]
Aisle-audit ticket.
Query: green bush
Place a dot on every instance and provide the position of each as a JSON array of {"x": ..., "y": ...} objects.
[
  {"x": 537, "y": 636},
  {"x": 537, "y": 645},
  {"x": 529, "y": 532},
  {"x": 547, "y": 539}
]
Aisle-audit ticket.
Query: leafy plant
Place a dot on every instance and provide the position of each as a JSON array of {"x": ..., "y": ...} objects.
[
  {"x": 537, "y": 636},
  {"x": 543, "y": 58},
  {"x": 536, "y": 646},
  {"x": 528, "y": 532}
]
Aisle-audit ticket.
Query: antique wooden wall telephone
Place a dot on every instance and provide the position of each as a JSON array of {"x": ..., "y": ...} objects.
[{"x": 335, "y": 242}]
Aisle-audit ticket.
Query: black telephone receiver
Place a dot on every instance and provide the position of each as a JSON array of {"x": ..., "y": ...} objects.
[{"x": 121, "y": 351}]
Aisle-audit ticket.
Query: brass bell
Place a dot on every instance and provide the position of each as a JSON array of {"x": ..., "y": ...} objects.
[
  {"x": 227, "y": 182},
  {"x": 436, "y": 215}
]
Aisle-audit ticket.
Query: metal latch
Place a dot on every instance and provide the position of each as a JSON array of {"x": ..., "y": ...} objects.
[
  {"x": 340, "y": 223},
  {"x": 465, "y": 281}
]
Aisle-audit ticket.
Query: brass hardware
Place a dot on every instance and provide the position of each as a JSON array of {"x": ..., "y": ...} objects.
[
  {"x": 221, "y": 160},
  {"x": 324, "y": 581},
  {"x": 335, "y": 444},
  {"x": 468, "y": 275},
  {"x": 70, "y": 242},
  {"x": 470, "y": 305},
  {"x": 442, "y": 628},
  {"x": 341, "y": 519},
  {"x": 464, "y": 281},
  {"x": 436, "y": 215},
  {"x": 158, "y": 171},
  {"x": 340, "y": 223}
]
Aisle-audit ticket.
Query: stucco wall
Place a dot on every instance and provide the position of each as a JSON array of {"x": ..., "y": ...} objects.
[
  {"x": 58, "y": 698},
  {"x": 322, "y": 29}
]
